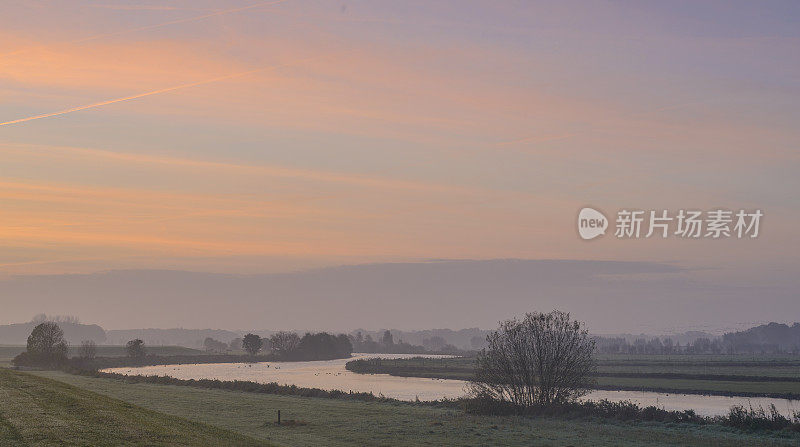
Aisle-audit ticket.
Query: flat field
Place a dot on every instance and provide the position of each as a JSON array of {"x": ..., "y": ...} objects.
[
  {"x": 36, "y": 411},
  {"x": 332, "y": 422}
]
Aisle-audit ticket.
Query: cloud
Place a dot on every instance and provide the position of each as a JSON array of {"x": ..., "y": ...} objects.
[{"x": 323, "y": 176}]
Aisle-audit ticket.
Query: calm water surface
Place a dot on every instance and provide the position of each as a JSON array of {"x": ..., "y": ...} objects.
[{"x": 332, "y": 375}]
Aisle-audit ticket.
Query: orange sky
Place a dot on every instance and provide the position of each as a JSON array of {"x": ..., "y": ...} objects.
[{"x": 310, "y": 133}]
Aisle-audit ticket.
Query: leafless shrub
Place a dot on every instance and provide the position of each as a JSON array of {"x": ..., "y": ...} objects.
[{"x": 542, "y": 360}]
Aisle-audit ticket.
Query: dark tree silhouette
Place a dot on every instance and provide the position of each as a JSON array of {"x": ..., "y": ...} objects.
[
  {"x": 212, "y": 345},
  {"x": 135, "y": 348},
  {"x": 387, "y": 339},
  {"x": 284, "y": 342},
  {"x": 323, "y": 346},
  {"x": 252, "y": 343},
  {"x": 46, "y": 346},
  {"x": 543, "y": 359}
]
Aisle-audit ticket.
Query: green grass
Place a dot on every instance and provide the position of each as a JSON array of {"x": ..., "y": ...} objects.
[
  {"x": 36, "y": 411},
  {"x": 712, "y": 374},
  {"x": 332, "y": 422}
]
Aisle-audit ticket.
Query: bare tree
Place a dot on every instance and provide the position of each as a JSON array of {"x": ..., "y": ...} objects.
[
  {"x": 88, "y": 349},
  {"x": 543, "y": 359}
]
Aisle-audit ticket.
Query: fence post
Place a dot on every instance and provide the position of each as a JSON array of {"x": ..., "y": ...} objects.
[{"x": 279, "y": 417}]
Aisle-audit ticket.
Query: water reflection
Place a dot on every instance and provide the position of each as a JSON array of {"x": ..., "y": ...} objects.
[{"x": 331, "y": 374}]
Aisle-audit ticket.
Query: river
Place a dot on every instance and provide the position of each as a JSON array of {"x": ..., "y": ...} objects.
[{"x": 331, "y": 374}]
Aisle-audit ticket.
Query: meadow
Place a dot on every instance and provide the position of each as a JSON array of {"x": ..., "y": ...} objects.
[
  {"x": 337, "y": 422},
  {"x": 57, "y": 408},
  {"x": 37, "y": 411}
]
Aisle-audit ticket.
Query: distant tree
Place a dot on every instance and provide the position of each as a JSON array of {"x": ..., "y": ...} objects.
[
  {"x": 701, "y": 345},
  {"x": 211, "y": 345},
  {"x": 370, "y": 345},
  {"x": 387, "y": 340},
  {"x": 344, "y": 348},
  {"x": 236, "y": 344},
  {"x": 323, "y": 346},
  {"x": 284, "y": 342},
  {"x": 252, "y": 343},
  {"x": 655, "y": 346},
  {"x": 66, "y": 319},
  {"x": 640, "y": 346},
  {"x": 88, "y": 349},
  {"x": 541, "y": 360},
  {"x": 46, "y": 346},
  {"x": 668, "y": 346},
  {"x": 135, "y": 348},
  {"x": 435, "y": 343}
]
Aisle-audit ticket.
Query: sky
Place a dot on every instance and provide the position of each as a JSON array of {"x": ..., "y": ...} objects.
[{"x": 250, "y": 137}]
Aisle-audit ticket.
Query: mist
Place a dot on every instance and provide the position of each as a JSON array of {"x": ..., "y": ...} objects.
[{"x": 611, "y": 297}]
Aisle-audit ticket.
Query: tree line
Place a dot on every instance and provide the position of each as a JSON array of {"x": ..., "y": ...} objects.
[
  {"x": 744, "y": 342},
  {"x": 386, "y": 344},
  {"x": 46, "y": 347},
  {"x": 286, "y": 345},
  {"x": 657, "y": 345}
]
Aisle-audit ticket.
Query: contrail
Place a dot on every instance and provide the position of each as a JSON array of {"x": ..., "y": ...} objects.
[
  {"x": 159, "y": 25},
  {"x": 154, "y": 92}
]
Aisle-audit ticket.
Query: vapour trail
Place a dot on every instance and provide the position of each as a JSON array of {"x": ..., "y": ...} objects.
[
  {"x": 159, "y": 25},
  {"x": 154, "y": 92}
]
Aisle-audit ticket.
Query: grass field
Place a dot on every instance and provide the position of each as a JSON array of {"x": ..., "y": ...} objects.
[
  {"x": 777, "y": 376},
  {"x": 37, "y": 411},
  {"x": 331, "y": 422}
]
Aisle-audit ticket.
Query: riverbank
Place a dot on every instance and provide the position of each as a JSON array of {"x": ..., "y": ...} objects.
[
  {"x": 346, "y": 422},
  {"x": 153, "y": 359},
  {"x": 777, "y": 377}
]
